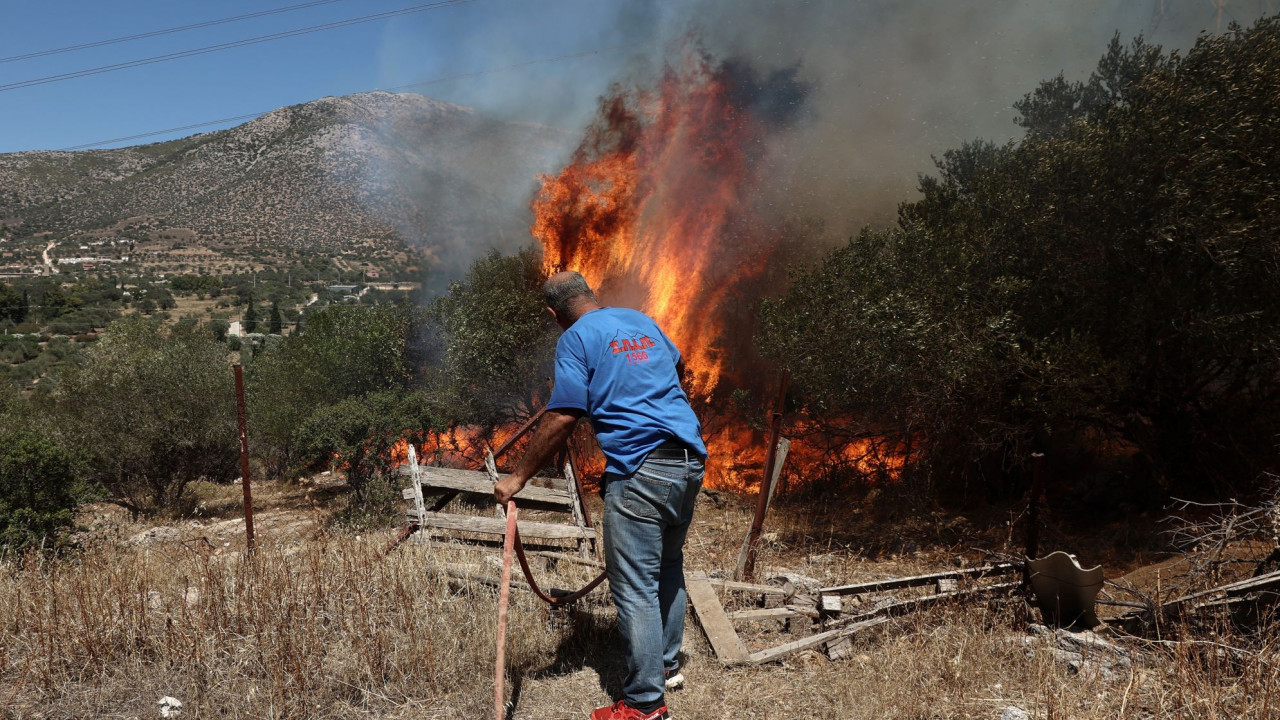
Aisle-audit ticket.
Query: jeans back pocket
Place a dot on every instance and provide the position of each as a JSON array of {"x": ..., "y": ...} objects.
[{"x": 646, "y": 497}]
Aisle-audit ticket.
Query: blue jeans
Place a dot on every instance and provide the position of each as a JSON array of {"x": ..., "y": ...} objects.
[{"x": 646, "y": 518}]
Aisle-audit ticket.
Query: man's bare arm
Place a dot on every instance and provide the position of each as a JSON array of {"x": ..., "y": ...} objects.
[{"x": 552, "y": 432}]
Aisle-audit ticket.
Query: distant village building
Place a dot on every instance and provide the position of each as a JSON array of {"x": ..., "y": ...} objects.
[
  {"x": 234, "y": 328},
  {"x": 342, "y": 289},
  {"x": 82, "y": 260}
]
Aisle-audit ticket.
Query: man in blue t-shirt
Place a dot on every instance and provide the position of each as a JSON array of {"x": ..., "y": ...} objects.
[{"x": 616, "y": 366}]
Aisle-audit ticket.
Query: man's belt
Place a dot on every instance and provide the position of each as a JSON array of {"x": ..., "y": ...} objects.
[{"x": 671, "y": 450}]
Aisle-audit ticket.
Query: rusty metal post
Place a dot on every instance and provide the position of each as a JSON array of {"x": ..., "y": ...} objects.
[
  {"x": 748, "y": 567},
  {"x": 244, "y": 458}
]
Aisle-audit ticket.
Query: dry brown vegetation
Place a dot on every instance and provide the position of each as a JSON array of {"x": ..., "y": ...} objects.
[{"x": 319, "y": 624}]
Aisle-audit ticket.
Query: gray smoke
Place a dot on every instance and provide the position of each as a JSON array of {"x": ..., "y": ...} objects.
[{"x": 894, "y": 82}]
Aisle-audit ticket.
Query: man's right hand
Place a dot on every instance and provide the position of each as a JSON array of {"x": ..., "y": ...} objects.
[{"x": 506, "y": 488}]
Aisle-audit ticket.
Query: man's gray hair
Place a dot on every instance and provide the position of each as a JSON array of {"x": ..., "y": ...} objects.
[{"x": 563, "y": 289}]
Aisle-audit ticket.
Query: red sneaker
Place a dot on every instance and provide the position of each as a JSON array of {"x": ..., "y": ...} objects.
[{"x": 622, "y": 711}]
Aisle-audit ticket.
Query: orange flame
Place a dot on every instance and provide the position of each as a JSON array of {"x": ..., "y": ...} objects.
[
  {"x": 656, "y": 211},
  {"x": 648, "y": 208}
]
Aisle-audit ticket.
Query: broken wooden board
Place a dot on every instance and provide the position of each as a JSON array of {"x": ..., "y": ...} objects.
[
  {"x": 710, "y": 613},
  {"x": 788, "y": 611},
  {"x": 777, "y": 653},
  {"x": 747, "y": 588},
  {"x": 585, "y": 547},
  {"x": 478, "y": 483},
  {"x": 921, "y": 580},
  {"x": 431, "y": 474},
  {"x": 1268, "y": 581},
  {"x": 831, "y": 606},
  {"x": 780, "y": 458},
  {"x": 497, "y": 526},
  {"x": 902, "y": 607}
]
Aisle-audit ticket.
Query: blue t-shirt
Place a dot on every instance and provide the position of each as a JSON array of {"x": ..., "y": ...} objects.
[{"x": 617, "y": 366}]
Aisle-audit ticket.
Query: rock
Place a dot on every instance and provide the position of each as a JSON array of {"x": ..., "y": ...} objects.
[
  {"x": 160, "y": 534},
  {"x": 802, "y": 583},
  {"x": 1082, "y": 652},
  {"x": 1013, "y": 712},
  {"x": 170, "y": 706}
]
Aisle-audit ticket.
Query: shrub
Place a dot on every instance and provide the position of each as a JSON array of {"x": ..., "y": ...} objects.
[
  {"x": 346, "y": 351},
  {"x": 38, "y": 494}
]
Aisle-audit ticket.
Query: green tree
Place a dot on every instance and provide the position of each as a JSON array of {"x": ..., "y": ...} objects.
[
  {"x": 1108, "y": 282},
  {"x": 494, "y": 342},
  {"x": 163, "y": 298},
  {"x": 250, "y": 315},
  {"x": 276, "y": 320},
  {"x": 347, "y": 351},
  {"x": 219, "y": 328},
  {"x": 152, "y": 410},
  {"x": 12, "y": 307},
  {"x": 52, "y": 299}
]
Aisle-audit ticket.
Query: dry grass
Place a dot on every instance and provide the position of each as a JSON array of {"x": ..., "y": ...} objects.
[{"x": 326, "y": 627}]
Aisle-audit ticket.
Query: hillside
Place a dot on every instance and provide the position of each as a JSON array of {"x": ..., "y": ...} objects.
[{"x": 373, "y": 170}]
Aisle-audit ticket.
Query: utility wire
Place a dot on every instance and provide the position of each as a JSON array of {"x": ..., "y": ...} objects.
[
  {"x": 166, "y": 31},
  {"x": 228, "y": 45},
  {"x": 433, "y": 81}
]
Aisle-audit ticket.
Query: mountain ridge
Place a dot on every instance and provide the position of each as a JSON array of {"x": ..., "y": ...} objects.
[{"x": 328, "y": 175}]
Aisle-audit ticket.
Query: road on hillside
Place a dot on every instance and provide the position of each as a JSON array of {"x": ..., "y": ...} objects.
[{"x": 48, "y": 263}]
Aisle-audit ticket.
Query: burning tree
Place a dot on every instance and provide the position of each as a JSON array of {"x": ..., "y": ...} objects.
[{"x": 657, "y": 209}]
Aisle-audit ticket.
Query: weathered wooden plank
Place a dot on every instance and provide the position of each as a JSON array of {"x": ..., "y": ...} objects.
[
  {"x": 430, "y": 471},
  {"x": 920, "y": 580},
  {"x": 777, "y": 653},
  {"x": 780, "y": 459},
  {"x": 749, "y": 588},
  {"x": 919, "y": 603},
  {"x": 478, "y": 483},
  {"x": 1262, "y": 582},
  {"x": 1234, "y": 589},
  {"x": 710, "y": 613},
  {"x": 575, "y": 505},
  {"x": 788, "y": 611},
  {"x": 830, "y": 606},
  {"x": 497, "y": 526}
]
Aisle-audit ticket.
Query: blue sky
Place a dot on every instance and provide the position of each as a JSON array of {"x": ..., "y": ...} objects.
[
  {"x": 396, "y": 51},
  {"x": 934, "y": 72}
]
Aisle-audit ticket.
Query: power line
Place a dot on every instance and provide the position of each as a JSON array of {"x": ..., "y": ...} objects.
[
  {"x": 153, "y": 133},
  {"x": 433, "y": 81},
  {"x": 228, "y": 45},
  {"x": 165, "y": 31}
]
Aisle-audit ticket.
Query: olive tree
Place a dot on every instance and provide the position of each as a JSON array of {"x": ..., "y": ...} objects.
[{"x": 151, "y": 409}]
